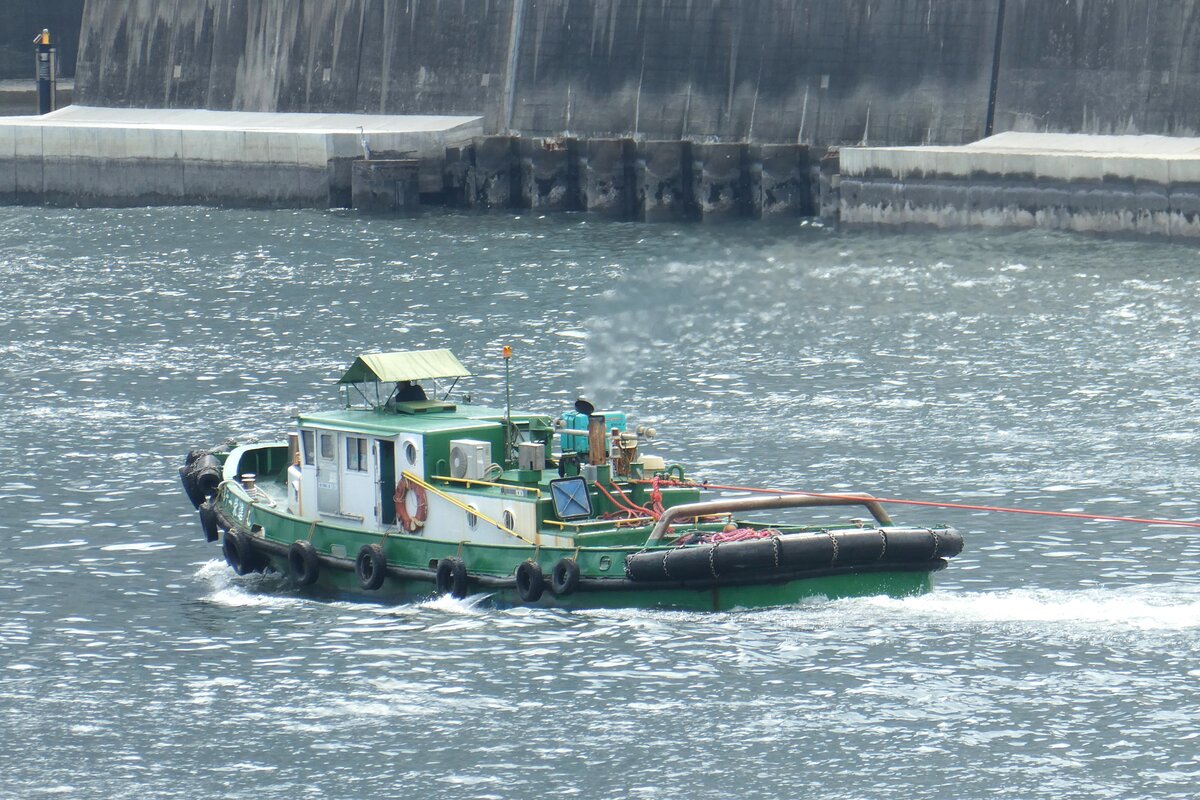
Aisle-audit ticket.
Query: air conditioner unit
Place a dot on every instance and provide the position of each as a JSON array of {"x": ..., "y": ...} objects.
[{"x": 470, "y": 458}]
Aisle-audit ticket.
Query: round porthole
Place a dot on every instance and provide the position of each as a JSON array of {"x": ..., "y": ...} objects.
[
  {"x": 410, "y": 454},
  {"x": 472, "y": 518},
  {"x": 508, "y": 519}
]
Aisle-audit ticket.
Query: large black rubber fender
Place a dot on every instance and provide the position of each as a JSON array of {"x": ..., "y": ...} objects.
[
  {"x": 922, "y": 544},
  {"x": 795, "y": 552},
  {"x": 678, "y": 564},
  {"x": 705, "y": 560},
  {"x": 752, "y": 555},
  {"x": 949, "y": 542},
  {"x": 303, "y": 563},
  {"x": 652, "y": 566},
  {"x": 801, "y": 551},
  {"x": 189, "y": 482},
  {"x": 858, "y": 547},
  {"x": 208, "y": 520},
  {"x": 200, "y": 476}
]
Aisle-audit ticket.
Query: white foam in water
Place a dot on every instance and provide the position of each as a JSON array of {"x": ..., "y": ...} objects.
[
  {"x": 55, "y": 545},
  {"x": 140, "y": 547},
  {"x": 472, "y": 605},
  {"x": 1155, "y": 608},
  {"x": 58, "y": 522},
  {"x": 232, "y": 592}
]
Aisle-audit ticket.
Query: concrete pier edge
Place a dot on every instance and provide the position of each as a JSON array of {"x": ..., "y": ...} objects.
[{"x": 1146, "y": 185}]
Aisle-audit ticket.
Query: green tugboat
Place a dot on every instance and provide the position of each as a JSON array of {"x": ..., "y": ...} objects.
[{"x": 397, "y": 495}]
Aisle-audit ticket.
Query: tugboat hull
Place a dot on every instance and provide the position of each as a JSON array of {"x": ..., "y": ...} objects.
[
  {"x": 401, "y": 494},
  {"x": 609, "y": 577}
]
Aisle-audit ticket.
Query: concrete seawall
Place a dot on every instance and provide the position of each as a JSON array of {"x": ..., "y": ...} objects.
[
  {"x": 119, "y": 157},
  {"x": 1146, "y": 185},
  {"x": 811, "y": 71},
  {"x": 680, "y": 109},
  {"x": 821, "y": 72}
]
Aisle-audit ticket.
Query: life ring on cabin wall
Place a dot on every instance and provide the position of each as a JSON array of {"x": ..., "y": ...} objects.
[{"x": 410, "y": 521}]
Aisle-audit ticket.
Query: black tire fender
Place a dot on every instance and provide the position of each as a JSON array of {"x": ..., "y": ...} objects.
[
  {"x": 303, "y": 564},
  {"x": 530, "y": 581},
  {"x": 208, "y": 521},
  {"x": 239, "y": 552},
  {"x": 452, "y": 577},
  {"x": 370, "y": 566},
  {"x": 564, "y": 578}
]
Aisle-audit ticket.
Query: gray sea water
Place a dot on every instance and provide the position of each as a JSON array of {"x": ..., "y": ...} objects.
[{"x": 1056, "y": 658}]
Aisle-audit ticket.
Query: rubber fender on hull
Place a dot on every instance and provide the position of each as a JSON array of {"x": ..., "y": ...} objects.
[
  {"x": 706, "y": 560},
  {"x": 200, "y": 475},
  {"x": 208, "y": 520},
  {"x": 452, "y": 577},
  {"x": 370, "y": 566},
  {"x": 303, "y": 564},
  {"x": 240, "y": 553},
  {"x": 530, "y": 581},
  {"x": 795, "y": 552},
  {"x": 564, "y": 578},
  {"x": 920, "y": 545}
]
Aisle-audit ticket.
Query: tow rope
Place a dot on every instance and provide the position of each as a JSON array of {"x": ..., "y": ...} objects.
[{"x": 929, "y": 503}]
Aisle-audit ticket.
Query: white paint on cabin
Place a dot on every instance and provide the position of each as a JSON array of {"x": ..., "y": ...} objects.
[
  {"x": 410, "y": 455},
  {"x": 360, "y": 497},
  {"x": 447, "y": 520}
]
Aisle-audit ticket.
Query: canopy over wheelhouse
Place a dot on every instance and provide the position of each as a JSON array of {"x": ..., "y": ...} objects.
[
  {"x": 404, "y": 365},
  {"x": 404, "y": 368}
]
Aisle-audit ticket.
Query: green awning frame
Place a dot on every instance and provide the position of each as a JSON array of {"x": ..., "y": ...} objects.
[{"x": 407, "y": 365}]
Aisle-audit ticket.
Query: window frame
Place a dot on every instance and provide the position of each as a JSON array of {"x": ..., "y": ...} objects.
[{"x": 357, "y": 454}]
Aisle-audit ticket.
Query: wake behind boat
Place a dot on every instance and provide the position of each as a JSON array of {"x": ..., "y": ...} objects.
[{"x": 396, "y": 496}]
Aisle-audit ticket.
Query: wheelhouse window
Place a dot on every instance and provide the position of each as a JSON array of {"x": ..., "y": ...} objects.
[
  {"x": 356, "y": 454},
  {"x": 327, "y": 446},
  {"x": 309, "y": 446}
]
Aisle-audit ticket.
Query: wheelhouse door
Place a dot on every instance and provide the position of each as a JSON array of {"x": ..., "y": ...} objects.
[
  {"x": 385, "y": 468},
  {"x": 328, "y": 493}
]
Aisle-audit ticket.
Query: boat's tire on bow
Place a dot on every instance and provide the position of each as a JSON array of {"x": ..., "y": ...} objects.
[
  {"x": 564, "y": 578},
  {"x": 240, "y": 553},
  {"x": 303, "y": 563},
  {"x": 208, "y": 521},
  {"x": 530, "y": 582},
  {"x": 201, "y": 476},
  {"x": 452, "y": 577},
  {"x": 370, "y": 566}
]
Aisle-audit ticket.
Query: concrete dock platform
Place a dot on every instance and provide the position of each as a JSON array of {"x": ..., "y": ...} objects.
[
  {"x": 83, "y": 155},
  {"x": 1112, "y": 184},
  {"x": 20, "y": 97}
]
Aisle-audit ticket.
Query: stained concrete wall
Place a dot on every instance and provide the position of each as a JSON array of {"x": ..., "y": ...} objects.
[
  {"x": 815, "y": 71},
  {"x": 351, "y": 56},
  {"x": 1101, "y": 66},
  {"x": 775, "y": 71},
  {"x": 771, "y": 71}
]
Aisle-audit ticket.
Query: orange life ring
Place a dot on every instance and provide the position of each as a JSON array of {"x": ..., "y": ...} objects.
[{"x": 410, "y": 521}]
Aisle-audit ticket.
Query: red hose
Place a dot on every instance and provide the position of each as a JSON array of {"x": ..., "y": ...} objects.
[{"x": 626, "y": 506}]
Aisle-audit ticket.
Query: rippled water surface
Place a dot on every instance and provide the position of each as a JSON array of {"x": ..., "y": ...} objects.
[{"x": 1056, "y": 658}]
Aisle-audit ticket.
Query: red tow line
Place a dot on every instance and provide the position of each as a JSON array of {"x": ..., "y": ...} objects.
[{"x": 932, "y": 504}]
